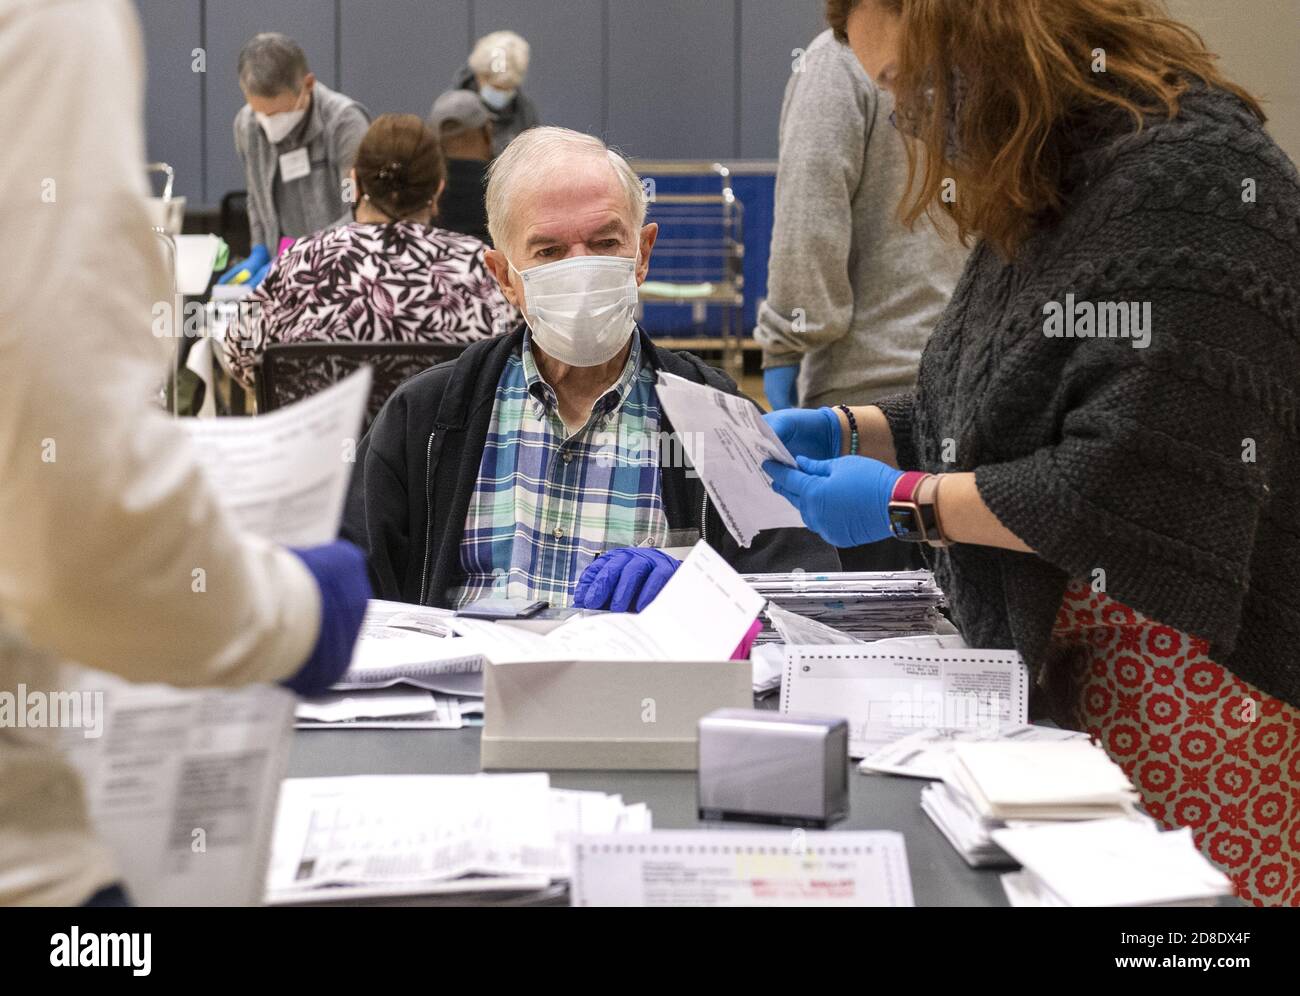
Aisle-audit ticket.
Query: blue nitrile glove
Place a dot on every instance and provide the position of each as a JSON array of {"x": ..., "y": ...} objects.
[
  {"x": 617, "y": 579},
  {"x": 781, "y": 385},
  {"x": 249, "y": 268},
  {"x": 260, "y": 275},
  {"x": 844, "y": 501},
  {"x": 340, "y": 572},
  {"x": 810, "y": 432}
]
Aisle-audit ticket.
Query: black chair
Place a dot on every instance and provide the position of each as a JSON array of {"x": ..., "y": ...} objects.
[
  {"x": 233, "y": 224},
  {"x": 289, "y": 372}
]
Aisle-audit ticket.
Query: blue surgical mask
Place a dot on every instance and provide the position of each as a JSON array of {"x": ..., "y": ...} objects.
[{"x": 496, "y": 99}]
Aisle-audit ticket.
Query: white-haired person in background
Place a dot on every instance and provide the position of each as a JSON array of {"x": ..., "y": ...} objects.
[
  {"x": 532, "y": 466},
  {"x": 496, "y": 70}
]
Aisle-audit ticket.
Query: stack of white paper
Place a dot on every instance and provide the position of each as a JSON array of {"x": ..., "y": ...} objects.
[
  {"x": 859, "y": 606},
  {"x": 388, "y": 835},
  {"x": 407, "y": 672},
  {"x": 1108, "y": 863},
  {"x": 1037, "y": 780},
  {"x": 926, "y": 753}
]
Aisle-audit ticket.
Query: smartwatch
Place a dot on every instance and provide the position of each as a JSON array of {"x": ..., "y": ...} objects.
[{"x": 913, "y": 510}]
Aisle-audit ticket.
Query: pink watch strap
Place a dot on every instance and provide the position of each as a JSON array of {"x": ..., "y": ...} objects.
[{"x": 905, "y": 486}]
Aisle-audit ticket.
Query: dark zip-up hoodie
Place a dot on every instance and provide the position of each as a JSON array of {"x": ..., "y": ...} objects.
[{"x": 418, "y": 465}]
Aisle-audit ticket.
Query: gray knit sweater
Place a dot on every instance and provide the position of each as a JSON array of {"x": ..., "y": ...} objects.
[{"x": 1175, "y": 468}]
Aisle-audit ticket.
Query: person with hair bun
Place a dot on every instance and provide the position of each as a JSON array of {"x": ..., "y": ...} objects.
[{"x": 390, "y": 276}]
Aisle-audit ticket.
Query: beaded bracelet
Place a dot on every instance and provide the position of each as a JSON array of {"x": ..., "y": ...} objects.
[{"x": 853, "y": 428}]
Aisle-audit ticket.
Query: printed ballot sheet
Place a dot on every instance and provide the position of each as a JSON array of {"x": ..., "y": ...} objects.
[
  {"x": 284, "y": 475},
  {"x": 726, "y": 440},
  {"x": 383, "y": 835},
  {"x": 182, "y": 786},
  {"x": 717, "y": 868},
  {"x": 702, "y": 614},
  {"x": 887, "y": 694}
]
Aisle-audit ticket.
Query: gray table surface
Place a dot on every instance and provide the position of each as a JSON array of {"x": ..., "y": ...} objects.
[{"x": 877, "y": 802}]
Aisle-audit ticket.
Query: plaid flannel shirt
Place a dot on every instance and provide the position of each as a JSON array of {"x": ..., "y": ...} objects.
[{"x": 548, "y": 502}]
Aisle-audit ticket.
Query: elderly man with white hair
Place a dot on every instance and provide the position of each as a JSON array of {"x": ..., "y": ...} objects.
[
  {"x": 495, "y": 71},
  {"x": 533, "y": 466}
]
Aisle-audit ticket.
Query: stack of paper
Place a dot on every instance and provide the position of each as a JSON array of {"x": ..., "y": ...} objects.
[
  {"x": 862, "y": 606},
  {"x": 391, "y": 835},
  {"x": 407, "y": 672},
  {"x": 1108, "y": 863},
  {"x": 926, "y": 753},
  {"x": 995, "y": 784}
]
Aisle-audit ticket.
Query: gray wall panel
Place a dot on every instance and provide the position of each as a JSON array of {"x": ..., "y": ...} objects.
[
  {"x": 770, "y": 30},
  {"x": 396, "y": 56},
  {"x": 567, "y": 76},
  {"x": 173, "y": 29},
  {"x": 672, "y": 80},
  {"x": 230, "y": 24}
]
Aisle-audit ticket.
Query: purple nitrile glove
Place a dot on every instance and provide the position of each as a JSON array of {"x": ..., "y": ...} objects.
[
  {"x": 844, "y": 501},
  {"x": 340, "y": 572},
  {"x": 624, "y": 580}
]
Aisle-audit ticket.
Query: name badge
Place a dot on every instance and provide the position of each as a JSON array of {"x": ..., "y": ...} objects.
[{"x": 295, "y": 165}]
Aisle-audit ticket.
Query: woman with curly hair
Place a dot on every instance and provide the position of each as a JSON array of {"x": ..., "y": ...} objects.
[{"x": 1100, "y": 456}]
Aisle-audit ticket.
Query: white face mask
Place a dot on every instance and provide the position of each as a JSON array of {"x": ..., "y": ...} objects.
[
  {"x": 496, "y": 99},
  {"x": 581, "y": 310},
  {"x": 278, "y": 127}
]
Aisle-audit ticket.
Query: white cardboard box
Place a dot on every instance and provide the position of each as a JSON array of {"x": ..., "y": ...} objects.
[{"x": 628, "y": 715}]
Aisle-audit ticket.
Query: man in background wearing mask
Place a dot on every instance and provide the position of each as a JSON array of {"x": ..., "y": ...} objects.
[
  {"x": 464, "y": 130},
  {"x": 532, "y": 466},
  {"x": 296, "y": 138},
  {"x": 496, "y": 70}
]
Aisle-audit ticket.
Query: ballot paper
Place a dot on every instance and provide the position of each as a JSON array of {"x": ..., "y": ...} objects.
[
  {"x": 888, "y": 692},
  {"x": 726, "y": 441},
  {"x": 1061, "y": 780},
  {"x": 284, "y": 475},
  {"x": 1109, "y": 863},
  {"x": 702, "y": 614},
  {"x": 722, "y": 868},
  {"x": 859, "y": 606},
  {"x": 383, "y": 615},
  {"x": 400, "y": 708},
  {"x": 372, "y": 836},
  {"x": 926, "y": 753},
  {"x": 182, "y": 787}
]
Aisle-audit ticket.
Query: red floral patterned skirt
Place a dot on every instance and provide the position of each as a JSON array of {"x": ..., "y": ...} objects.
[{"x": 1205, "y": 749}]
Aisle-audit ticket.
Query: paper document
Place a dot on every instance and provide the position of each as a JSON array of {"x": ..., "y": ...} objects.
[
  {"x": 196, "y": 255},
  {"x": 726, "y": 441},
  {"x": 724, "y": 868},
  {"x": 399, "y": 834},
  {"x": 284, "y": 475},
  {"x": 702, "y": 614},
  {"x": 926, "y": 754},
  {"x": 182, "y": 787},
  {"x": 1109, "y": 863},
  {"x": 888, "y": 692},
  {"x": 402, "y": 708}
]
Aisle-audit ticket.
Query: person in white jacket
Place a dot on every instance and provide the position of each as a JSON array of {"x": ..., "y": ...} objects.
[{"x": 104, "y": 512}]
